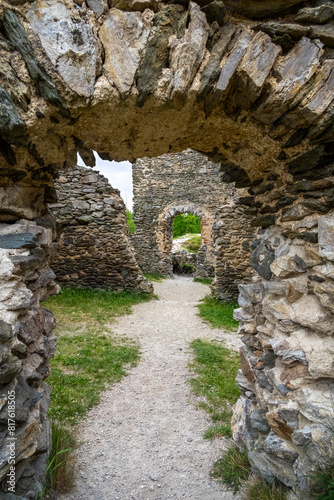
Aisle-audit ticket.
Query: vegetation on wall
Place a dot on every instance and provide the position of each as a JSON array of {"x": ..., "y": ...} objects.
[
  {"x": 185, "y": 224},
  {"x": 130, "y": 221}
]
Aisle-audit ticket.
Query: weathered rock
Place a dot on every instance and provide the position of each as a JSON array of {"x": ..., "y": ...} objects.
[
  {"x": 323, "y": 33},
  {"x": 23, "y": 240},
  {"x": 68, "y": 39},
  {"x": 256, "y": 65},
  {"x": 303, "y": 61},
  {"x": 212, "y": 69},
  {"x": 11, "y": 123},
  {"x": 316, "y": 15},
  {"x": 232, "y": 61},
  {"x": 124, "y": 35},
  {"x": 326, "y": 237},
  {"x": 186, "y": 55},
  {"x": 17, "y": 35},
  {"x": 261, "y": 259},
  {"x": 98, "y": 6},
  {"x": 257, "y": 9},
  {"x": 215, "y": 11}
]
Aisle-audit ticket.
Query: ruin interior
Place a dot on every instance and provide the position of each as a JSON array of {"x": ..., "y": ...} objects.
[{"x": 247, "y": 84}]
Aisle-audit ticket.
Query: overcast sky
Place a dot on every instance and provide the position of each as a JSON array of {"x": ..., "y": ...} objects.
[{"x": 119, "y": 176}]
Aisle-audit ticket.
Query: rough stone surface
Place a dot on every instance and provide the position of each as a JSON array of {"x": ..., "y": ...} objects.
[{"x": 94, "y": 249}]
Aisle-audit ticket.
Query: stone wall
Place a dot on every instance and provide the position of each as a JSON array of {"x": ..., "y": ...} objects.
[
  {"x": 170, "y": 185},
  {"x": 286, "y": 322},
  {"x": 26, "y": 345},
  {"x": 232, "y": 235},
  {"x": 95, "y": 248}
]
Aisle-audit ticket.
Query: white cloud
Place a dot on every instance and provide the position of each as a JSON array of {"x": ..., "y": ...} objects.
[{"x": 119, "y": 175}]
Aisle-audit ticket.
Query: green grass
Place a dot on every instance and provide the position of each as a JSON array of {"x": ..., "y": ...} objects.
[
  {"x": 84, "y": 307},
  {"x": 154, "y": 277},
  {"x": 204, "y": 281},
  {"x": 193, "y": 244},
  {"x": 216, "y": 369},
  {"x": 84, "y": 366},
  {"x": 130, "y": 221},
  {"x": 61, "y": 469},
  {"x": 258, "y": 489},
  {"x": 232, "y": 469},
  {"x": 218, "y": 314}
]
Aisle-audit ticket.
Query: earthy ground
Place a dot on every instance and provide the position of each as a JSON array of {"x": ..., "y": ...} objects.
[{"x": 144, "y": 440}]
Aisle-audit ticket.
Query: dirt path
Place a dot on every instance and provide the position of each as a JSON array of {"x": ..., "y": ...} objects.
[{"x": 144, "y": 440}]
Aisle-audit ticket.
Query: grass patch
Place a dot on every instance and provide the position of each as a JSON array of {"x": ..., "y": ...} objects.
[
  {"x": 154, "y": 277},
  {"x": 204, "y": 281},
  {"x": 84, "y": 366},
  {"x": 60, "y": 473},
  {"x": 216, "y": 369},
  {"x": 258, "y": 489},
  {"x": 193, "y": 244},
  {"x": 81, "y": 307},
  {"x": 232, "y": 469},
  {"x": 218, "y": 314}
]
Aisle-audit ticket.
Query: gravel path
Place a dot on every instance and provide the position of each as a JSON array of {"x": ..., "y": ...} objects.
[{"x": 144, "y": 439}]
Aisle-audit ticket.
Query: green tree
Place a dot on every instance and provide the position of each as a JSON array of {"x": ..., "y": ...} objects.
[{"x": 185, "y": 224}]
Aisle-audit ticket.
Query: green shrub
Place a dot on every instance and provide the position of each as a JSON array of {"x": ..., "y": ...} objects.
[{"x": 186, "y": 224}]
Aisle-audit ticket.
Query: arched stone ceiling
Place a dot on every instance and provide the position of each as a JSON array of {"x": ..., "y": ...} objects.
[{"x": 130, "y": 84}]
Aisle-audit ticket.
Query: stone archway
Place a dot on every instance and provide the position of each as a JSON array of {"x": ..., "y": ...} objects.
[{"x": 256, "y": 98}]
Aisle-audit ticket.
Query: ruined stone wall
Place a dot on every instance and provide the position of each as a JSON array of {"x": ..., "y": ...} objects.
[
  {"x": 169, "y": 185},
  {"x": 232, "y": 236},
  {"x": 286, "y": 322},
  {"x": 95, "y": 248},
  {"x": 26, "y": 345}
]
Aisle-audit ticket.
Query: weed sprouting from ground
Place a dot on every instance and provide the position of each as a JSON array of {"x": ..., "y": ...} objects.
[
  {"x": 87, "y": 361},
  {"x": 232, "y": 468},
  {"x": 218, "y": 314},
  {"x": 216, "y": 369},
  {"x": 258, "y": 489},
  {"x": 204, "y": 281}
]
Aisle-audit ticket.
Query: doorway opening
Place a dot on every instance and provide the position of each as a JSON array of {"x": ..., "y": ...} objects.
[{"x": 187, "y": 241}]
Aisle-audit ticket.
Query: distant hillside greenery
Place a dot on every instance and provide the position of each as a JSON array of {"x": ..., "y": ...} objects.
[
  {"x": 131, "y": 224},
  {"x": 185, "y": 224}
]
